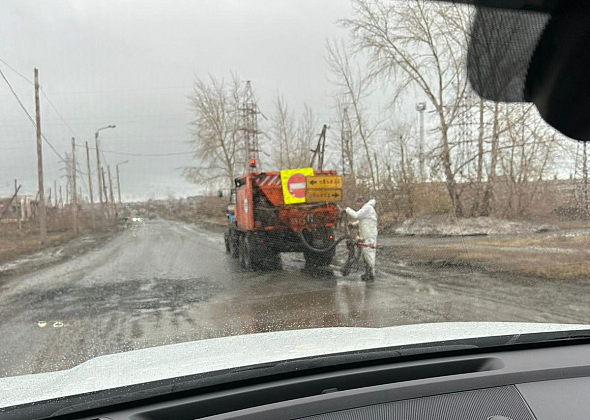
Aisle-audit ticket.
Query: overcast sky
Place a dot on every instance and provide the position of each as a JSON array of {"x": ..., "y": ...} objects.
[{"x": 131, "y": 63}]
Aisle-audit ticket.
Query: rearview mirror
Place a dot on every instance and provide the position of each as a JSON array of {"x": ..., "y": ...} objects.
[
  {"x": 518, "y": 56},
  {"x": 558, "y": 80}
]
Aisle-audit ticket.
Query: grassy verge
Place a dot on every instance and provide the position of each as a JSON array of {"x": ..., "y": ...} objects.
[{"x": 555, "y": 257}]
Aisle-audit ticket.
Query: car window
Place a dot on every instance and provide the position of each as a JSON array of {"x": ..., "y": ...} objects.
[{"x": 180, "y": 172}]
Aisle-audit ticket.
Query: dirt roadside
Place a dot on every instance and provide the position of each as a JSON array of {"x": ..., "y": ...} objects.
[
  {"x": 563, "y": 255},
  {"x": 26, "y": 257}
]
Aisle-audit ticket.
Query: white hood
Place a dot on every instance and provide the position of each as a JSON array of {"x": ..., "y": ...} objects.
[{"x": 175, "y": 360}]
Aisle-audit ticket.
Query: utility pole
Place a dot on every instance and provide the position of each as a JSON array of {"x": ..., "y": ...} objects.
[
  {"x": 118, "y": 180},
  {"x": 421, "y": 107},
  {"x": 90, "y": 185},
  {"x": 319, "y": 150},
  {"x": 118, "y": 185},
  {"x": 101, "y": 184},
  {"x": 104, "y": 186},
  {"x": 111, "y": 189},
  {"x": 18, "y": 207},
  {"x": 106, "y": 196},
  {"x": 55, "y": 192},
  {"x": 41, "y": 202},
  {"x": 9, "y": 203},
  {"x": 74, "y": 190},
  {"x": 98, "y": 166}
]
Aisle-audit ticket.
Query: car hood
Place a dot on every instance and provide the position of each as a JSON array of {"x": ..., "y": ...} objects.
[{"x": 197, "y": 357}]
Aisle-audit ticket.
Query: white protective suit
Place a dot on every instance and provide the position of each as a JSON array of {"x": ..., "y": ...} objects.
[{"x": 367, "y": 220}]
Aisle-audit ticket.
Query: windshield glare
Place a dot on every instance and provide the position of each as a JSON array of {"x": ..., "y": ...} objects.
[{"x": 185, "y": 171}]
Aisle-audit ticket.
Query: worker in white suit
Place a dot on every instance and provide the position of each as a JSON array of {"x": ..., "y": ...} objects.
[{"x": 367, "y": 221}]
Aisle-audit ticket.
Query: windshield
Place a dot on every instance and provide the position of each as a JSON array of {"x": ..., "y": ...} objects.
[{"x": 173, "y": 172}]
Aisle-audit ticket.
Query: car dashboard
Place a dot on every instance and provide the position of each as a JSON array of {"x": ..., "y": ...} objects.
[{"x": 526, "y": 383}]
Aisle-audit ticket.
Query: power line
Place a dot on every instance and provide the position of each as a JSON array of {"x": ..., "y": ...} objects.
[
  {"x": 58, "y": 114},
  {"x": 78, "y": 168},
  {"x": 124, "y": 90},
  {"x": 29, "y": 115},
  {"x": 148, "y": 154},
  {"x": 31, "y": 118},
  {"x": 17, "y": 98},
  {"x": 17, "y": 72},
  {"x": 114, "y": 152}
]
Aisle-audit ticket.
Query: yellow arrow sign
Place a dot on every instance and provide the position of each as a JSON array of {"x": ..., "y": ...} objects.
[
  {"x": 315, "y": 182},
  {"x": 323, "y": 196}
]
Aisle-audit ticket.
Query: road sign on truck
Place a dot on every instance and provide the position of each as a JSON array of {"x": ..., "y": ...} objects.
[
  {"x": 323, "y": 182},
  {"x": 294, "y": 184},
  {"x": 323, "y": 196}
]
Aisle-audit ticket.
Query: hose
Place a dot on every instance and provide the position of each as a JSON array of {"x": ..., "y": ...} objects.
[{"x": 319, "y": 250}]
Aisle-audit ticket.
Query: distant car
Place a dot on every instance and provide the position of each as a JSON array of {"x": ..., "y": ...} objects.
[{"x": 152, "y": 216}]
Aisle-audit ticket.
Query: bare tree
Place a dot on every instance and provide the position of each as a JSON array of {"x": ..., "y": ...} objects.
[
  {"x": 581, "y": 184},
  {"x": 307, "y": 134},
  {"x": 404, "y": 173},
  {"x": 525, "y": 156},
  {"x": 292, "y": 136},
  {"x": 353, "y": 88},
  {"x": 422, "y": 46},
  {"x": 283, "y": 132},
  {"x": 343, "y": 141},
  {"x": 216, "y": 142}
]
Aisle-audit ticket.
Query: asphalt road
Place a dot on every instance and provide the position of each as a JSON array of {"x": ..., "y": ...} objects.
[{"x": 170, "y": 282}]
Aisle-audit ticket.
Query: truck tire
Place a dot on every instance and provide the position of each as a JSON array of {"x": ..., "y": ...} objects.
[
  {"x": 226, "y": 241},
  {"x": 315, "y": 260},
  {"x": 233, "y": 244},
  {"x": 272, "y": 261},
  {"x": 245, "y": 252}
]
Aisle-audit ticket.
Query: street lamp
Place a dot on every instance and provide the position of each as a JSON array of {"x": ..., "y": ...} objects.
[
  {"x": 118, "y": 181},
  {"x": 100, "y": 185},
  {"x": 421, "y": 107}
]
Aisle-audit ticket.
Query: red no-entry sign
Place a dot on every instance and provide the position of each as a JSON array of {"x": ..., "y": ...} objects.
[{"x": 296, "y": 185}]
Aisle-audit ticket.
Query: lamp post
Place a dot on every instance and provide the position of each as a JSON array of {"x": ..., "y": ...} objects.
[
  {"x": 421, "y": 107},
  {"x": 100, "y": 185},
  {"x": 118, "y": 180}
]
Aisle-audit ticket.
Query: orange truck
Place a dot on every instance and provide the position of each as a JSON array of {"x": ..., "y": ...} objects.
[{"x": 287, "y": 211}]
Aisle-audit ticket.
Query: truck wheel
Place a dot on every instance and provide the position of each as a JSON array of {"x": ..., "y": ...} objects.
[
  {"x": 245, "y": 252},
  {"x": 314, "y": 259},
  {"x": 226, "y": 240},
  {"x": 233, "y": 244},
  {"x": 273, "y": 261}
]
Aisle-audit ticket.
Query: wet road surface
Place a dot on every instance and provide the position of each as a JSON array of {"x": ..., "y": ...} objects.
[{"x": 169, "y": 282}]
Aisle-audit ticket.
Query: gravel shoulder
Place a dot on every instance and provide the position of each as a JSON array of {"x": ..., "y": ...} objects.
[
  {"x": 61, "y": 248},
  {"x": 558, "y": 255}
]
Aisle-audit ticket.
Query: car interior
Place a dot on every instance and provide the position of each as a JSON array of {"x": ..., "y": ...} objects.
[{"x": 547, "y": 63}]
